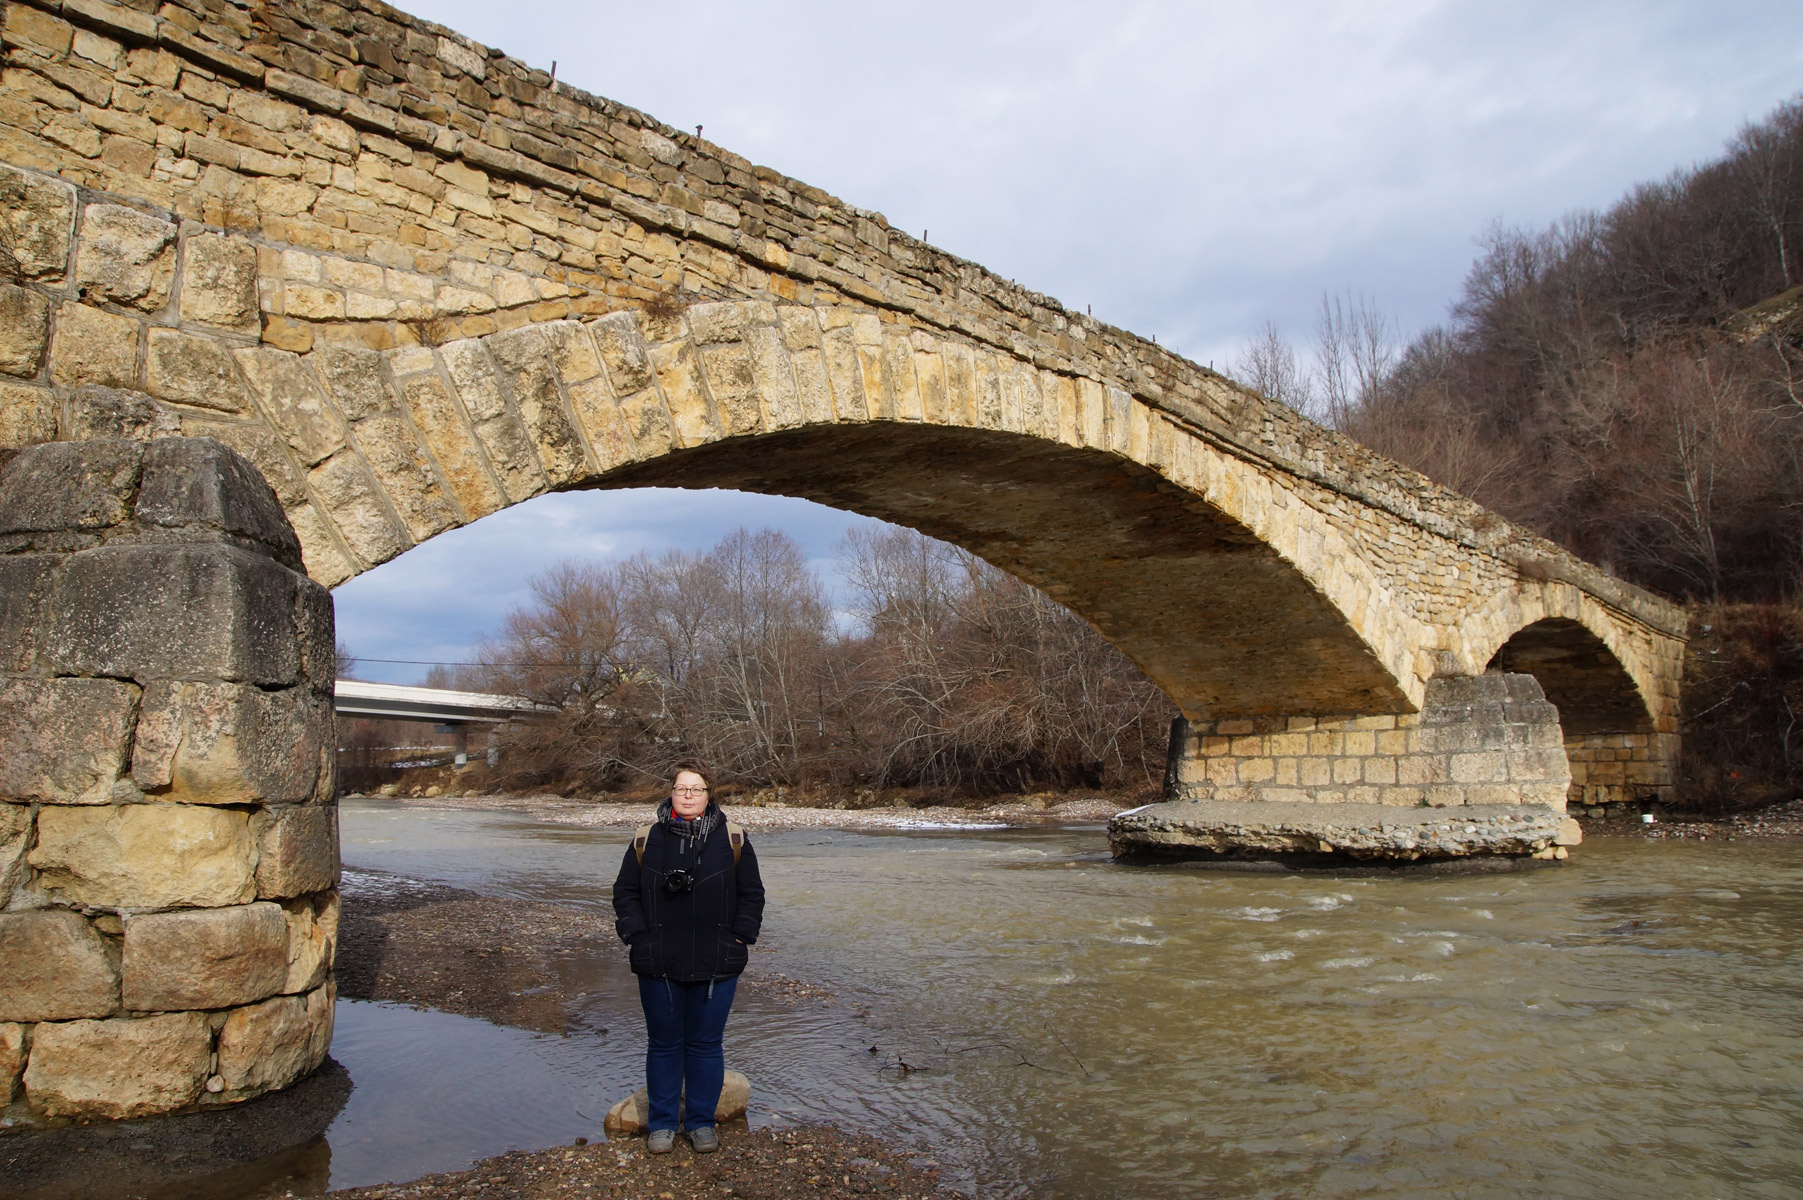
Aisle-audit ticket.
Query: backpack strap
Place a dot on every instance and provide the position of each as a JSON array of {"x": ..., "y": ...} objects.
[
  {"x": 735, "y": 833},
  {"x": 640, "y": 836}
]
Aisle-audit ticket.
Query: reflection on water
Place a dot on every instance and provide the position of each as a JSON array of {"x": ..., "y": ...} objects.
[{"x": 1624, "y": 1025}]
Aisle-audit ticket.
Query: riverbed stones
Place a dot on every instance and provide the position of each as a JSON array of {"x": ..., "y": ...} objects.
[
  {"x": 146, "y": 855},
  {"x": 57, "y": 968},
  {"x": 204, "y": 958},
  {"x": 632, "y": 1115},
  {"x": 123, "y": 1067},
  {"x": 297, "y": 850},
  {"x": 270, "y": 1045}
]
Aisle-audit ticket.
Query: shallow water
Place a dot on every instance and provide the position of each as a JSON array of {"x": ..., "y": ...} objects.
[{"x": 1625, "y": 1025}]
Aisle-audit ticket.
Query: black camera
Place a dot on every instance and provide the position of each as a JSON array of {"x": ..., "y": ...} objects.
[{"x": 679, "y": 881}]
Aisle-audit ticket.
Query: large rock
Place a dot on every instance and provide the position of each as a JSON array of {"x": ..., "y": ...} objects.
[
  {"x": 15, "y": 839},
  {"x": 125, "y": 1067},
  {"x": 297, "y": 850},
  {"x": 270, "y": 1045},
  {"x": 1370, "y": 832},
  {"x": 632, "y": 1114},
  {"x": 196, "y": 481},
  {"x": 12, "y": 1060},
  {"x": 69, "y": 486},
  {"x": 64, "y": 741},
  {"x": 205, "y": 957},
  {"x": 175, "y": 611},
  {"x": 125, "y": 257},
  {"x": 312, "y": 940},
  {"x": 57, "y": 968},
  {"x": 146, "y": 855},
  {"x": 227, "y": 743}
]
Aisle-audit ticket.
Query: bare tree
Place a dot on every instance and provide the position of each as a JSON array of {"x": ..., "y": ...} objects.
[{"x": 1269, "y": 366}]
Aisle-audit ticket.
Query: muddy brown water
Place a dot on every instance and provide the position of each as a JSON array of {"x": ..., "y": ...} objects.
[{"x": 1044, "y": 1020}]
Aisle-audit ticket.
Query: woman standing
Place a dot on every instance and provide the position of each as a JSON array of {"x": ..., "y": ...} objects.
[{"x": 688, "y": 902}]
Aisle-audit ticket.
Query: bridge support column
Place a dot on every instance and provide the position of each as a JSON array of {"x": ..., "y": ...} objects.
[
  {"x": 1479, "y": 771},
  {"x": 168, "y": 832}
]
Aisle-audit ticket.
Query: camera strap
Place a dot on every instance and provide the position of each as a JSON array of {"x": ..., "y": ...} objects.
[{"x": 735, "y": 834}]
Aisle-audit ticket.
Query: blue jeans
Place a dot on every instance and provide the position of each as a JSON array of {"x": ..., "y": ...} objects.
[{"x": 684, "y": 1053}]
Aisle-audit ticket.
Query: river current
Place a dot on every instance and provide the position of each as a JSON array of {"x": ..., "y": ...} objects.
[{"x": 1045, "y": 1021}]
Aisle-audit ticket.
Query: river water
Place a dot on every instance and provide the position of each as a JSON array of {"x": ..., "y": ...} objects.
[{"x": 1045, "y": 1021}]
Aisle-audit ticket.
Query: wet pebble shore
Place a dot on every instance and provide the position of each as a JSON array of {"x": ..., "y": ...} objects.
[{"x": 765, "y": 1164}]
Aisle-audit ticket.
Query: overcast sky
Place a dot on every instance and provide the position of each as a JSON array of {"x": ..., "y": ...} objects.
[{"x": 1188, "y": 170}]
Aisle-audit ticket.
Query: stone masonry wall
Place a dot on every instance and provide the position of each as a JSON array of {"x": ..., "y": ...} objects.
[
  {"x": 168, "y": 834},
  {"x": 1621, "y": 770},
  {"x": 1478, "y": 740}
]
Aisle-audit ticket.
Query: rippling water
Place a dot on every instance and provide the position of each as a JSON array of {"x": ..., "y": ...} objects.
[{"x": 1627, "y": 1025}]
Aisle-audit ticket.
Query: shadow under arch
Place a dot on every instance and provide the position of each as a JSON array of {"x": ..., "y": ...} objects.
[
  {"x": 1212, "y": 613},
  {"x": 1579, "y": 674}
]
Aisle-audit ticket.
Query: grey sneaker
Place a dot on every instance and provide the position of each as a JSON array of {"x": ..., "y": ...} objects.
[
  {"x": 661, "y": 1141},
  {"x": 704, "y": 1139}
]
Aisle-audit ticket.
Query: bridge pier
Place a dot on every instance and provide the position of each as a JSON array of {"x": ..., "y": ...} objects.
[
  {"x": 1480, "y": 771},
  {"x": 168, "y": 832}
]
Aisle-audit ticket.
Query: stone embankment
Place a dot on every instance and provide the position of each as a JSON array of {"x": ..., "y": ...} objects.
[{"x": 168, "y": 833}]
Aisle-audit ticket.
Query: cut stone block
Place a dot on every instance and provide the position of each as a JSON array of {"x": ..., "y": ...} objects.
[
  {"x": 312, "y": 940},
  {"x": 228, "y": 743},
  {"x": 69, "y": 486},
  {"x": 40, "y": 216},
  {"x": 297, "y": 850},
  {"x": 204, "y": 958},
  {"x": 219, "y": 281},
  {"x": 125, "y": 257},
  {"x": 192, "y": 370},
  {"x": 27, "y": 415},
  {"x": 124, "y": 1067},
  {"x": 24, "y": 330},
  {"x": 64, "y": 741},
  {"x": 15, "y": 839},
  {"x": 12, "y": 1060},
  {"x": 272, "y": 1044},
  {"x": 92, "y": 346},
  {"x": 146, "y": 855},
  {"x": 169, "y": 611},
  {"x": 57, "y": 968},
  {"x": 200, "y": 482}
]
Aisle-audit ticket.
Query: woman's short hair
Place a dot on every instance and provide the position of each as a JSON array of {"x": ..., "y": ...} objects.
[{"x": 694, "y": 766}]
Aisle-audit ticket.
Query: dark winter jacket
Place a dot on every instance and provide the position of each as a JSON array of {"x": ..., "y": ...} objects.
[{"x": 695, "y": 935}]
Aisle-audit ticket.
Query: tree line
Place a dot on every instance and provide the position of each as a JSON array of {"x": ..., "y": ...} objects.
[
  {"x": 940, "y": 674},
  {"x": 1629, "y": 383}
]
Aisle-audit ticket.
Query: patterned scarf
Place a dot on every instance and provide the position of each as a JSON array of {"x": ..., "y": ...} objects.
[{"x": 695, "y": 831}]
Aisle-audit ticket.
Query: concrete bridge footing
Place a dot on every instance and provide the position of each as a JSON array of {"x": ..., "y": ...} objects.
[
  {"x": 168, "y": 833},
  {"x": 1481, "y": 770}
]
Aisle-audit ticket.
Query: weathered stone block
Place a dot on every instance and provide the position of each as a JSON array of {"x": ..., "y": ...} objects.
[
  {"x": 16, "y": 824},
  {"x": 294, "y": 401},
  {"x": 191, "y": 370},
  {"x": 261, "y": 447},
  {"x": 91, "y": 346},
  {"x": 57, "y": 968},
  {"x": 270, "y": 1045},
  {"x": 227, "y": 743},
  {"x": 312, "y": 940},
  {"x": 162, "y": 612},
  {"x": 297, "y": 850},
  {"x": 344, "y": 486},
  {"x": 404, "y": 475},
  {"x": 125, "y": 257},
  {"x": 27, "y": 415},
  {"x": 219, "y": 281},
  {"x": 197, "y": 481},
  {"x": 25, "y": 581},
  {"x": 118, "y": 1068},
  {"x": 40, "y": 216},
  {"x": 64, "y": 741},
  {"x": 69, "y": 486},
  {"x": 204, "y": 958},
  {"x": 146, "y": 855},
  {"x": 12, "y": 1060},
  {"x": 96, "y": 413},
  {"x": 24, "y": 330}
]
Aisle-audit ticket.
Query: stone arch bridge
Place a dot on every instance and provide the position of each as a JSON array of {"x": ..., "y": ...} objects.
[{"x": 412, "y": 281}]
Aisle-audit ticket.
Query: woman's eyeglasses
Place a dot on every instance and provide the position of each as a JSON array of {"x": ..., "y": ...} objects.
[{"x": 688, "y": 791}]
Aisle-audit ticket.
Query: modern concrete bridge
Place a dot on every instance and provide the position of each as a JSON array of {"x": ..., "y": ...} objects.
[{"x": 413, "y": 281}]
